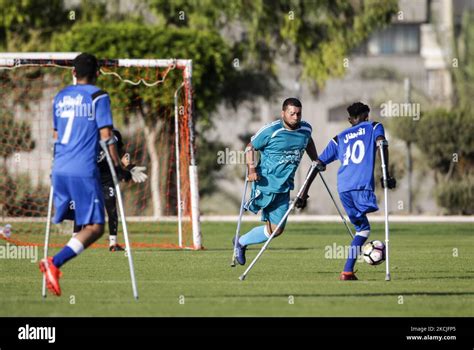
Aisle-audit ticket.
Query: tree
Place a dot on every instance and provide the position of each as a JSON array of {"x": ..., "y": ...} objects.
[
  {"x": 463, "y": 70},
  {"x": 211, "y": 69},
  {"x": 317, "y": 35},
  {"x": 445, "y": 138},
  {"x": 28, "y": 24}
]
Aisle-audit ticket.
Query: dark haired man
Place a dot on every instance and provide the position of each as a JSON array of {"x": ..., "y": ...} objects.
[
  {"x": 281, "y": 145},
  {"x": 81, "y": 117},
  {"x": 356, "y": 149}
]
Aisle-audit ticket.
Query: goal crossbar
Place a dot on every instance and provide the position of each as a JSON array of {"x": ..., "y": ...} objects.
[{"x": 66, "y": 58}]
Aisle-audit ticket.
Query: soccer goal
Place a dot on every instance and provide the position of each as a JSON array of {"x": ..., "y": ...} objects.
[{"x": 152, "y": 107}]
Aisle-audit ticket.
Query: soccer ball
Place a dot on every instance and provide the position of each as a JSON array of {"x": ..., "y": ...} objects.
[
  {"x": 6, "y": 231},
  {"x": 374, "y": 252}
]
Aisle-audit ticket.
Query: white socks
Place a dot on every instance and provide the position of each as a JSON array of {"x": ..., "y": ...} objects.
[{"x": 76, "y": 245}]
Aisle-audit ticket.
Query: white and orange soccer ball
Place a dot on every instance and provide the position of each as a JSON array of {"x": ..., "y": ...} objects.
[{"x": 374, "y": 252}]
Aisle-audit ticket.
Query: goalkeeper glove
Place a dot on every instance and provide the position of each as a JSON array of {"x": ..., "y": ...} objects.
[{"x": 138, "y": 173}]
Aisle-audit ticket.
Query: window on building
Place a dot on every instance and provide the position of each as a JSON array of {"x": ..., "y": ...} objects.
[{"x": 396, "y": 39}]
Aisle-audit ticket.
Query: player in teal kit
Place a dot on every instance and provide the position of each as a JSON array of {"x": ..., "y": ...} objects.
[
  {"x": 356, "y": 149},
  {"x": 81, "y": 117},
  {"x": 281, "y": 145}
]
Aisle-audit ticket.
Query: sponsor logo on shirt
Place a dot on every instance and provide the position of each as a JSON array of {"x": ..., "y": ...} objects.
[
  {"x": 353, "y": 135},
  {"x": 292, "y": 157}
]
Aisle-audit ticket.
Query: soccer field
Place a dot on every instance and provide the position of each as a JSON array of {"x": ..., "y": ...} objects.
[{"x": 432, "y": 275}]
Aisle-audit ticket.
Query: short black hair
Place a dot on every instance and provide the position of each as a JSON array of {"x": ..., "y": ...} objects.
[
  {"x": 86, "y": 66},
  {"x": 358, "y": 109},
  {"x": 291, "y": 102}
]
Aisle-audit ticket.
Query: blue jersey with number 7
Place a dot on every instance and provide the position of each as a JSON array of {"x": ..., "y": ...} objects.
[
  {"x": 356, "y": 149},
  {"x": 79, "y": 112}
]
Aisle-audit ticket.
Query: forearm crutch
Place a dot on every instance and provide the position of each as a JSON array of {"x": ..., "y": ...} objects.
[{"x": 105, "y": 148}]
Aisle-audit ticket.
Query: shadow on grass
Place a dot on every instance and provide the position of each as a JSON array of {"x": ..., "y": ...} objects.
[{"x": 289, "y": 249}]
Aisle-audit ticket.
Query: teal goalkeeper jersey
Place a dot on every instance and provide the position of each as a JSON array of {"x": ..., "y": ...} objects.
[{"x": 281, "y": 151}]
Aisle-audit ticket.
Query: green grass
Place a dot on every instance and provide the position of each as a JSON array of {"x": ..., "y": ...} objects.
[{"x": 425, "y": 274}]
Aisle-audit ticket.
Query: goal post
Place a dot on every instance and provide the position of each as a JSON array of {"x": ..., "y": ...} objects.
[{"x": 155, "y": 105}]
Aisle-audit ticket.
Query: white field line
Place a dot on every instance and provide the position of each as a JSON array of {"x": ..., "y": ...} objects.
[
  {"x": 293, "y": 218},
  {"x": 337, "y": 218}
]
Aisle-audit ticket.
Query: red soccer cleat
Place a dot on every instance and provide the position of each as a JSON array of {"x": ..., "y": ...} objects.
[
  {"x": 348, "y": 276},
  {"x": 52, "y": 274}
]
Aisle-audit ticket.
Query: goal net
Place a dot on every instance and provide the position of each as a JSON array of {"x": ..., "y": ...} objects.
[{"x": 152, "y": 108}]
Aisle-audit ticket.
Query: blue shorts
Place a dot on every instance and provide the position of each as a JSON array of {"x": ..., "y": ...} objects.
[
  {"x": 273, "y": 205},
  {"x": 357, "y": 204},
  {"x": 78, "y": 198}
]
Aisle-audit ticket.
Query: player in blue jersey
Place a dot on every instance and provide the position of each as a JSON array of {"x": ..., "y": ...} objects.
[
  {"x": 81, "y": 117},
  {"x": 356, "y": 149},
  {"x": 281, "y": 145}
]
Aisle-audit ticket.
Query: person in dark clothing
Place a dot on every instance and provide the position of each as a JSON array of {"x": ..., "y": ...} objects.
[{"x": 135, "y": 173}]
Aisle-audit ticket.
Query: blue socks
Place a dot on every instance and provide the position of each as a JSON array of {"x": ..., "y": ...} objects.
[
  {"x": 73, "y": 248},
  {"x": 254, "y": 236},
  {"x": 356, "y": 244}
]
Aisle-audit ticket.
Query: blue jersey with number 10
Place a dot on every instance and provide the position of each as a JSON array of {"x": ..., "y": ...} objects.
[
  {"x": 79, "y": 112},
  {"x": 355, "y": 148}
]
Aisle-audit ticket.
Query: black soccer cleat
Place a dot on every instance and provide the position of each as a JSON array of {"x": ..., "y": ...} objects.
[{"x": 116, "y": 248}]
